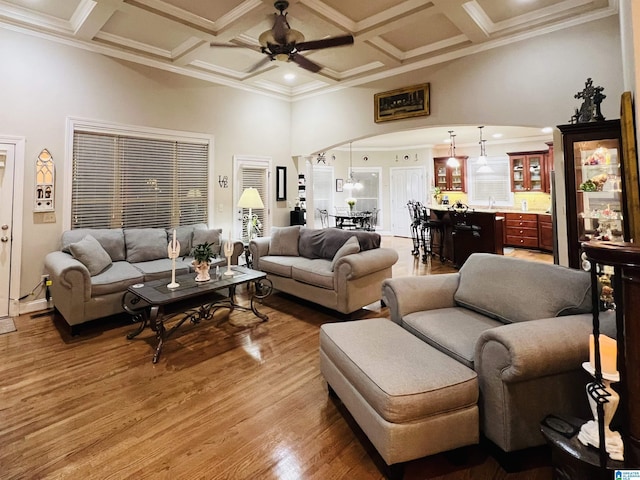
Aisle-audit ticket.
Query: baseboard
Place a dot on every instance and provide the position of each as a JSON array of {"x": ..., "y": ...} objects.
[{"x": 34, "y": 306}]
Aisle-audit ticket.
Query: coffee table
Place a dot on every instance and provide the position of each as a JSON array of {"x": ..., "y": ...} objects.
[{"x": 152, "y": 303}]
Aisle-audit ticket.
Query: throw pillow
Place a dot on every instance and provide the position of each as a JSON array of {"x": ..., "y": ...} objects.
[
  {"x": 90, "y": 253},
  {"x": 284, "y": 241},
  {"x": 212, "y": 236},
  {"x": 350, "y": 246},
  {"x": 145, "y": 244}
]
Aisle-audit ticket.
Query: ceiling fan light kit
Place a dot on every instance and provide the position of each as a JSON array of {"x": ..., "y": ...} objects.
[{"x": 283, "y": 43}]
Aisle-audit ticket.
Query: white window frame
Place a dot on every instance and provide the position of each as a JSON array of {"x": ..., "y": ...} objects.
[
  {"x": 96, "y": 126},
  {"x": 472, "y": 167},
  {"x": 358, "y": 173}
]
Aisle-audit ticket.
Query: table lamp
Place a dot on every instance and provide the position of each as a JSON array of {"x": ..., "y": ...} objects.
[{"x": 250, "y": 199}]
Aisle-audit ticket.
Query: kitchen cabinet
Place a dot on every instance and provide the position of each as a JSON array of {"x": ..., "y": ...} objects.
[
  {"x": 521, "y": 230},
  {"x": 528, "y": 171},
  {"x": 545, "y": 232},
  {"x": 595, "y": 190},
  {"x": 451, "y": 179},
  {"x": 548, "y": 167}
]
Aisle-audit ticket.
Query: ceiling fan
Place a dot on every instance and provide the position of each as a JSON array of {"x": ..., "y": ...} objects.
[{"x": 285, "y": 44}]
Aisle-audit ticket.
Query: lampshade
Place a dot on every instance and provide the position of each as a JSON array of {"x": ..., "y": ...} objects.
[
  {"x": 452, "y": 161},
  {"x": 482, "y": 159},
  {"x": 250, "y": 198}
]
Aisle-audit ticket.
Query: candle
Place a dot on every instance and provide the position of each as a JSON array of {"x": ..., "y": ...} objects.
[
  {"x": 173, "y": 244},
  {"x": 608, "y": 354}
]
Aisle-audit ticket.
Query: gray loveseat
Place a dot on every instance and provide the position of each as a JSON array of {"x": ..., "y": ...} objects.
[
  {"x": 339, "y": 269},
  {"x": 522, "y": 326},
  {"x": 94, "y": 267}
]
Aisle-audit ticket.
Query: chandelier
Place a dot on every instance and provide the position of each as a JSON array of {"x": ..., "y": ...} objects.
[{"x": 351, "y": 182}]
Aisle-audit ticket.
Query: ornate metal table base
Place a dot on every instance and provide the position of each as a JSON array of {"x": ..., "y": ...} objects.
[{"x": 153, "y": 315}]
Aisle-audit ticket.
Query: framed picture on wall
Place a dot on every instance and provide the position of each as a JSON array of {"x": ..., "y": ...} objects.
[
  {"x": 339, "y": 183},
  {"x": 402, "y": 103},
  {"x": 281, "y": 183}
]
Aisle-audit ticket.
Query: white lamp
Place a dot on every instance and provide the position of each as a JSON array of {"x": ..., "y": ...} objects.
[
  {"x": 351, "y": 182},
  {"x": 482, "y": 159},
  {"x": 452, "y": 161},
  {"x": 250, "y": 199}
]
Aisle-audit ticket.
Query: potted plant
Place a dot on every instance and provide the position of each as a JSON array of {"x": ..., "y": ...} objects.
[
  {"x": 202, "y": 255},
  {"x": 352, "y": 203},
  {"x": 437, "y": 195}
]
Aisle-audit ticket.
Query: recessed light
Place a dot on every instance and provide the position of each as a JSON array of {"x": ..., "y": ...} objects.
[
  {"x": 547, "y": 130},
  {"x": 497, "y": 135},
  {"x": 289, "y": 76}
]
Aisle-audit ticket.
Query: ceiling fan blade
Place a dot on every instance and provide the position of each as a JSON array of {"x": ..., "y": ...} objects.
[
  {"x": 305, "y": 63},
  {"x": 325, "y": 43},
  {"x": 258, "y": 65}
]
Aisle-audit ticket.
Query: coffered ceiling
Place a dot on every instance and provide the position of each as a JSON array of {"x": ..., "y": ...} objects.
[{"x": 390, "y": 36}]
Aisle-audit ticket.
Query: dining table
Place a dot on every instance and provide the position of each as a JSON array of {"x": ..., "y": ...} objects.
[{"x": 352, "y": 220}]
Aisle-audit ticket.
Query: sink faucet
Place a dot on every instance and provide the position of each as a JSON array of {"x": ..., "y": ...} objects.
[{"x": 491, "y": 201}]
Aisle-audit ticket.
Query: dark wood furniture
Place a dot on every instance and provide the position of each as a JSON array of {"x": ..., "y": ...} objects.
[
  {"x": 450, "y": 179},
  {"x": 153, "y": 303},
  {"x": 353, "y": 220},
  {"x": 571, "y": 459},
  {"x": 528, "y": 171},
  {"x": 545, "y": 232},
  {"x": 521, "y": 230},
  {"x": 297, "y": 217},
  {"x": 480, "y": 232},
  {"x": 593, "y": 152}
]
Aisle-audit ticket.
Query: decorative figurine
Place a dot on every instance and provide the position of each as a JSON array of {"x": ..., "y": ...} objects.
[
  {"x": 590, "y": 108},
  {"x": 173, "y": 249},
  {"x": 228, "y": 251}
]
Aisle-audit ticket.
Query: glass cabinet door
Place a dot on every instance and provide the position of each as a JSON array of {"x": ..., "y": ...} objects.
[
  {"x": 517, "y": 174},
  {"x": 456, "y": 179},
  {"x": 441, "y": 175},
  {"x": 599, "y": 195},
  {"x": 535, "y": 173}
]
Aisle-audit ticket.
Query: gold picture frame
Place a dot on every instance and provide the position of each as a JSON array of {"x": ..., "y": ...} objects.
[
  {"x": 402, "y": 103},
  {"x": 630, "y": 159}
]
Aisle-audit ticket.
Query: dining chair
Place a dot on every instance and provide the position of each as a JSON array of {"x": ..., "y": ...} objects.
[{"x": 324, "y": 217}]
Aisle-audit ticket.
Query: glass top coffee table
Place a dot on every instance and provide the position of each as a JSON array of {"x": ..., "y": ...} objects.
[{"x": 153, "y": 303}]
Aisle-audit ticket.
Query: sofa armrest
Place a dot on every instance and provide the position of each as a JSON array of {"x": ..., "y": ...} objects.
[
  {"x": 527, "y": 350},
  {"x": 69, "y": 274},
  {"x": 366, "y": 262},
  {"x": 404, "y": 295},
  {"x": 258, "y": 247}
]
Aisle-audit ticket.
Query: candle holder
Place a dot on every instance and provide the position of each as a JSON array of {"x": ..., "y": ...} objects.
[
  {"x": 172, "y": 250},
  {"x": 228, "y": 251},
  {"x": 601, "y": 393}
]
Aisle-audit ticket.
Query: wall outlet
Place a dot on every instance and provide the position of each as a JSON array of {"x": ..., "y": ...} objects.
[{"x": 49, "y": 217}]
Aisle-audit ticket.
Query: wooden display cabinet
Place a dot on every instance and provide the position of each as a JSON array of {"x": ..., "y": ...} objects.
[
  {"x": 451, "y": 179},
  {"x": 595, "y": 189},
  {"x": 528, "y": 171}
]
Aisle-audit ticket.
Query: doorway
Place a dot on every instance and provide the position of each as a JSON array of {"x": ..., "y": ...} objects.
[
  {"x": 11, "y": 189},
  {"x": 406, "y": 184}
]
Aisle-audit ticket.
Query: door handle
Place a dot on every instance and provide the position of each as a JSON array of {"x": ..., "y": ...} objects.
[{"x": 4, "y": 239}]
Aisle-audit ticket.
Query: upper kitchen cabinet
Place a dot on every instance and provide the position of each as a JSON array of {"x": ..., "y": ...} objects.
[
  {"x": 528, "y": 171},
  {"x": 451, "y": 179}
]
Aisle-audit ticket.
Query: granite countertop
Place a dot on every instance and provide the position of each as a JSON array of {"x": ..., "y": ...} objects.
[{"x": 444, "y": 208}]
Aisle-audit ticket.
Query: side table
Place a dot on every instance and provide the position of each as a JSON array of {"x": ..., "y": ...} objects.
[{"x": 570, "y": 458}]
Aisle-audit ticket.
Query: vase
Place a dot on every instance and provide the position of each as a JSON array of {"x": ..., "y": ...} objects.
[
  {"x": 438, "y": 199},
  {"x": 202, "y": 270},
  {"x": 351, "y": 208}
]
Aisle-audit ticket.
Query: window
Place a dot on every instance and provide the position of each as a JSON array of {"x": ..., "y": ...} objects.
[
  {"x": 368, "y": 197},
  {"x": 323, "y": 187},
  {"x": 494, "y": 185},
  {"x": 132, "y": 181},
  {"x": 252, "y": 171}
]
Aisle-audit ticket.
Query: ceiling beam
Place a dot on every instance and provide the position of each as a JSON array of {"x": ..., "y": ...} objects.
[{"x": 91, "y": 16}]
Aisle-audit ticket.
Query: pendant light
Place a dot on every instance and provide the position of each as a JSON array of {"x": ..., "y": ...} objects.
[
  {"x": 482, "y": 159},
  {"x": 351, "y": 182},
  {"x": 452, "y": 161}
]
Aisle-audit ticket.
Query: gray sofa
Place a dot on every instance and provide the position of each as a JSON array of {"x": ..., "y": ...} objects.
[
  {"x": 341, "y": 270},
  {"x": 522, "y": 326},
  {"x": 94, "y": 267}
]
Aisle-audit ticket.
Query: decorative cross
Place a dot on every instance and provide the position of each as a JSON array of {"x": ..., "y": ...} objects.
[{"x": 590, "y": 108}]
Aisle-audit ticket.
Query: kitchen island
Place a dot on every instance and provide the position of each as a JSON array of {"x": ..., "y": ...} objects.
[{"x": 462, "y": 233}]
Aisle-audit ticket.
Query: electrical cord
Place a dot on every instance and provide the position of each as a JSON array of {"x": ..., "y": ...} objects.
[{"x": 45, "y": 282}]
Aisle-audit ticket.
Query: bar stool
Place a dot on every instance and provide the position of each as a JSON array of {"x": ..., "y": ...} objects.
[{"x": 429, "y": 227}]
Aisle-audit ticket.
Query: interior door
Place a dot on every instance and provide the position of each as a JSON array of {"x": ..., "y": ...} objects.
[
  {"x": 406, "y": 184},
  {"x": 7, "y": 162}
]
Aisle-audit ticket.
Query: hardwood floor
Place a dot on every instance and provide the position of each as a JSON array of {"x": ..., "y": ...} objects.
[{"x": 229, "y": 399}]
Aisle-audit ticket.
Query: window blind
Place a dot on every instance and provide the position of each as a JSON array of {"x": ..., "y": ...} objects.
[
  {"x": 256, "y": 178},
  {"x": 136, "y": 182},
  {"x": 495, "y": 184}
]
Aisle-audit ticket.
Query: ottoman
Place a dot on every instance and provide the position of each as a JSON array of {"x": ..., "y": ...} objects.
[{"x": 410, "y": 399}]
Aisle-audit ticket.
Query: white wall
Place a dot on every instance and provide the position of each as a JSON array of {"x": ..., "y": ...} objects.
[
  {"x": 530, "y": 83},
  {"x": 42, "y": 83}
]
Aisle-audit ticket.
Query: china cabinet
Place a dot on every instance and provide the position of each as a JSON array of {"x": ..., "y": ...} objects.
[
  {"x": 448, "y": 178},
  {"x": 596, "y": 210},
  {"x": 528, "y": 171}
]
